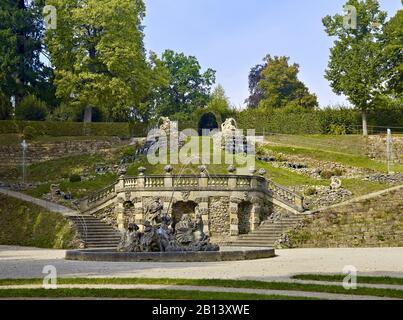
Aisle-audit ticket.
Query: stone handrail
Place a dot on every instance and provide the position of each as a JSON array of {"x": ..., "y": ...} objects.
[
  {"x": 286, "y": 196},
  {"x": 194, "y": 182},
  {"x": 98, "y": 197}
]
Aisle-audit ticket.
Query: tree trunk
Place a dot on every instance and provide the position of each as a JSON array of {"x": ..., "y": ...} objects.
[
  {"x": 88, "y": 114},
  {"x": 364, "y": 123}
]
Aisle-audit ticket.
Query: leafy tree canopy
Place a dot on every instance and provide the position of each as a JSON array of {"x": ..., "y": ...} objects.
[
  {"x": 279, "y": 85},
  {"x": 99, "y": 56},
  {"x": 21, "y": 70},
  {"x": 188, "y": 88}
]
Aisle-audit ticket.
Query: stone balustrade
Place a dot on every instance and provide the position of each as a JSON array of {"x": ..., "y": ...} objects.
[{"x": 200, "y": 182}]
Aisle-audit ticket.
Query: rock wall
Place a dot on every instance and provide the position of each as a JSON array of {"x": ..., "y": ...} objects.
[
  {"x": 371, "y": 223},
  {"x": 376, "y": 147},
  {"x": 219, "y": 218}
]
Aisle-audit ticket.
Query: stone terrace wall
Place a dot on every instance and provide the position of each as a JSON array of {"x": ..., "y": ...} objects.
[
  {"x": 376, "y": 147},
  {"x": 38, "y": 152},
  {"x": 371, "y": 223}
]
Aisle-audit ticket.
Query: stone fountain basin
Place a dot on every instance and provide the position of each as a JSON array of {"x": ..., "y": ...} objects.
[{"x": 225, "y": 254}]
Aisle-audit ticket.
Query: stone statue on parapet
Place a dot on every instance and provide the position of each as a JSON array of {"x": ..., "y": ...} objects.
[{"x": 228, "y": 126}]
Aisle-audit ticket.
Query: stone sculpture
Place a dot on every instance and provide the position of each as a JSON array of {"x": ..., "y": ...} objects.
[
  {"x": 228, "y": 126},
  {"x": 159, "y": 236},
  {"x": 335, "y": 183}
]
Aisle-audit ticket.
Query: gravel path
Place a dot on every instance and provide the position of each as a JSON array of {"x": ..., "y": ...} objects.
[
  {"x": 20, "y": 262},
  {"x": 319, "y": 295},
  {"x": 50, "y": 206}
]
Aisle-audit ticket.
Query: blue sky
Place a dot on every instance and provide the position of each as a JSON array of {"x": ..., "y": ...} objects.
[{"x": 231, "y": 36}]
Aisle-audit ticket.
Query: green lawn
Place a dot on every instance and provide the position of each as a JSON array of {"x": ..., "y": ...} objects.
[
  {"x": 221, "y": 283},
  {"x": 357, "y": 161},
  {"x": 351, "y": 144},
  {"x": 139, "y": 294},
  {"x": 340, "y": 277}
]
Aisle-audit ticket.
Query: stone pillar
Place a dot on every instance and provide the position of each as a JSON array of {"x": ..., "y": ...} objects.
[
  {"x": 203, "y": 209},
  {"x": 138, "y": 212},
  {"x": 120, "y": 212},
  {"x": 233, "y": 214},
  {"x": 255, "y": 215}
]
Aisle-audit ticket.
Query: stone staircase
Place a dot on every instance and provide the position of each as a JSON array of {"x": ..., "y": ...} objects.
[
  {"x": 268, "y": 232},
  {"x": 95, "y": 233}
]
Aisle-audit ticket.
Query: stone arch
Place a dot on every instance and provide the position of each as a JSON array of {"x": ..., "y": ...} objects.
[
  {"x": 208, "y": 121},
  {"x": 179, "y": 208},
  {"x": 244, "y": 217}
]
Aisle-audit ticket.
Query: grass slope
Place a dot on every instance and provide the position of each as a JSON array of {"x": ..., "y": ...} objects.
[{"x": 25, "y": 224}]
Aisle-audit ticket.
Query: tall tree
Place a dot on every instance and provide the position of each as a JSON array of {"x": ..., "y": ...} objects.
[
  {"x": 189, "y": 87},
  {"x": 280, "y": 85},
  {"x": 21, "y": 33},
  {"x": 356, "y": 67},
  {"x": 99, "y": 57},
  {"x": 219, "y": 101},
  {"x": 256, "y": 93},
  {"x": 392, "y": 41}
]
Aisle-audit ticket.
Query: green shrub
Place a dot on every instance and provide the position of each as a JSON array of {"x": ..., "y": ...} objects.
[
  {"x": 30, "y": 133},
  {"x": 338, "y": 172},
  {"x": 337, "y": 129},
  {"x": 75, "y": 178},
  {"x": 5, "y": 107},
  {"x": 31, "y": 108},
  {"x": 310, "y": 191},
  {"x": 326, "y": 174}
]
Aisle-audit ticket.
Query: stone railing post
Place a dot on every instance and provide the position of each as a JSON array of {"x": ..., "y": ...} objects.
[
  {"x": 203, "y": 179},
  {"x": 120, "y": 185},
  {"x": 168, "y": 179},
  {"x": 83, "y": 205},
  {"x": 141, "y": 180},
  {"x": 299, "y": 202}
]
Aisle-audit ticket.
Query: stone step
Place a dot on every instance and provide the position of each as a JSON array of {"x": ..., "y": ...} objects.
[
  {"x": 253, "y": 244},
  {"x": 258, "y": 238},
  {"x": 106, "y": 237},
  {"x": 95, "y": 233}
]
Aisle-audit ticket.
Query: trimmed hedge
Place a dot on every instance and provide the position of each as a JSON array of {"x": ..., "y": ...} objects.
[
  {"x": 323, "y": 121},
  {"x": 59, "y": 129}
]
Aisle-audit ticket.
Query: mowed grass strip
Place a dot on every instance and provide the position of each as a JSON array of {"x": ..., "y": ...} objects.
[
  {"x": 250, "y": 284},
  {"x": 340, "y": 277},
  {"x": 139, "y": 294}
]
